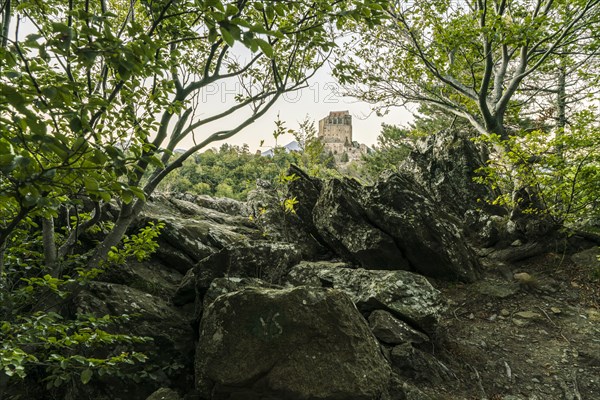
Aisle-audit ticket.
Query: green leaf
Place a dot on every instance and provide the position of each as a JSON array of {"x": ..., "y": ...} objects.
[
  {"x": 139, "y": 193},
  {"x": 50, "y": 92},
  {"x": 127, "y": 196},
  {"x": 76, "y": 125},
  {"x": 91, "y": 185},
  {"x": 265, "y": 47},
  {"x": 157, "y": 162},
  {"x": 231, "y": 10},
  {"x": 227, "y": 36},
  {"x": 86, "y": 376},
  {"x": 6, "y": 162}
]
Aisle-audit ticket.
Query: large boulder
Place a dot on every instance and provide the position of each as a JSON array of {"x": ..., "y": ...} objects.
[
  {"x": 306, "y": 190},
  {"x": 193, "y": 232},
  {"x": 430, "y": 239},
  {"x": 297, "y": 343},
  {"x": 270, "y": 261},
  {"x": 445, "y": 164},
  {"x": 343, "y": 223},
  {"x": 408, "y": 296},
  {"x": 393, "y": 225}
]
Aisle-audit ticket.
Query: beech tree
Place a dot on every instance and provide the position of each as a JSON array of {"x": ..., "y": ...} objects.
[
  {"x": 484, "y": 61},
  {"x": 95, "y": 93}
]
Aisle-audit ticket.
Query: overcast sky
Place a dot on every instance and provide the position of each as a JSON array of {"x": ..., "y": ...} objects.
[{"x": 316, "y": 101}]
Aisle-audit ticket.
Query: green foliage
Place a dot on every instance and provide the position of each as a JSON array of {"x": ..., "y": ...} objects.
[
  {"x": 494, "y": 64},
  {"x": 232, "y": 171},
  {"x": 139, "y": 246},
  {"x": 393, "y": 146},
  {"x": 288, "y": 204},
  {"x": 95, "y": 95},
  {"x": 563, "y": 170},
  {"x": 48, "y": 341},
  {"x": 42, "y": 340}
]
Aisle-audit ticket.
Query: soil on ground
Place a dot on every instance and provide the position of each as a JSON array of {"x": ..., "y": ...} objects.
[{"x": 506, "y": 341}]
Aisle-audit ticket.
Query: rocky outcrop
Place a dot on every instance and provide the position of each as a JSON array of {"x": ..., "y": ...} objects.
[
  {"x": 193, "y": 232},
  {"x": 266, "y": 260},
  {"x": 392, "y": 225},
  {"x": 342, "y": 221},
  {"x": 444, "y": 165},
  {"x": 274, "y": 315},
  {"x": 431, "y": 240},
  {"x": 297, "y": 343},
  {"x": 408, "y": 296}
]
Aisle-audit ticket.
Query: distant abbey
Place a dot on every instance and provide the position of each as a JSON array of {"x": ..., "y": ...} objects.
[{"x": 335, "y": 131}]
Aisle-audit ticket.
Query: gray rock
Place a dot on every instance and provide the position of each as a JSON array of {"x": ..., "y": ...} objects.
[
  {"x": 164, "y": 394},
  {"x": 391, "y": 330},
  {"x": 408, "y": 296},
  {"x": 445, "y": 164},
  {"x": 341, "y": 220},
  {"x": 431, "y": 240},
  {"x": 173, "y": 258},
  {"x": 264, "y": 206},
  {"x": 221, "y": 286},
  {"x": 193, "y": 232},
  {"x": 528, "y": 315},
  {"x": 147, "y": 276},
  {"x": 221, "y": 204},
  {"x": 265, "y": 260},
  {"x": 588, "y": 259},
  {"x": 186, "y": 291},
  {"x": 298, "y": 343},
  {"x": 419, "y": 365},
  {"x": 306, "y": 190}
]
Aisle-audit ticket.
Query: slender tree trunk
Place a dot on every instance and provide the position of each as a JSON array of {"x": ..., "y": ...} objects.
[
  {"x": 126, "y": 217},
  {"x": 2, "y": 250},
  {"x": 49, "y": 243},
  {"x": 561, "y": 98},
  {"x": 5, "y": 23},
  {"x": 561, "y": 106}
]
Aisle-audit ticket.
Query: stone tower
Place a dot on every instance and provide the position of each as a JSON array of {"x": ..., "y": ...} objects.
[{"x": 335, "y": 131}]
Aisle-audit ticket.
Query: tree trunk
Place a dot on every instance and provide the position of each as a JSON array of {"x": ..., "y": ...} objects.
[
  {"x": 5, "y": 24},
  {"x": 50, "y": 252},
  {"x": 561, "y": 105},
  {"x": 561, "y": 98},
  {"x": 126, "y": 217},
  {"x": 49, "y": 243},
  {"x": 2, "y": 250}
]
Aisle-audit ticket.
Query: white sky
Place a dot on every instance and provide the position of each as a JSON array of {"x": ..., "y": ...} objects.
[{"x": 316, "y": 101}]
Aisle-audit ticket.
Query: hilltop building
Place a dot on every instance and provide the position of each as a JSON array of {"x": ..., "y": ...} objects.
[{"x": 335, "y": 131}]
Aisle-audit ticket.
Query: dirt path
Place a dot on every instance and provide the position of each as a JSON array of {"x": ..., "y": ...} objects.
[{"x": 508, "y": 342}]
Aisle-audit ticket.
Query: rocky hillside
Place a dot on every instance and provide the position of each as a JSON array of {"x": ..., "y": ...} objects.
[{"x": 380, "y": 292}]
